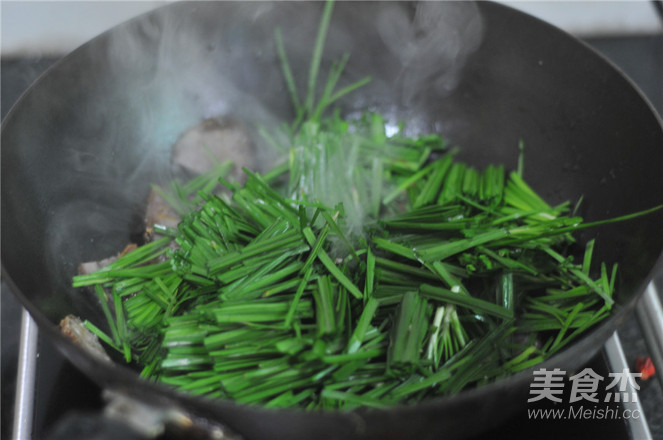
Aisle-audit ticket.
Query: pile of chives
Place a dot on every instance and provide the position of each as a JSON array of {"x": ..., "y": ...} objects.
[{"x": 263, "y": 299}]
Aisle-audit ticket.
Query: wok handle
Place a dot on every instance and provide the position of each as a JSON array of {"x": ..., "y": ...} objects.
[
  {"x": 25, "y": 378},
  {"x": 93, "y": 426},
  {"x": 638, "y": 427},
  {"x": 650, "y": 317},
  {"x": 127, "y": 417}
]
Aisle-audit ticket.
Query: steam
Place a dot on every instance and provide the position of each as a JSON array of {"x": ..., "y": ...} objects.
[
  {"x": 133, "y": 93},
  {"x": 432, "y": 45},
  {"x": 182, "y": 77},
  {"x": 171, "y": 71},
  {"x": 122, "y": 102}
]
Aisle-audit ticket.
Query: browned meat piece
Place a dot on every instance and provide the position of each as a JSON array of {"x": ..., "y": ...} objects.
[
  {"x": 214, "y": 141},
  {"x": 73, "y": 328},
  {"x": 198, "y": 150},
  {"x": 93, "y": 266},
  {"x": 159, "y": 212}
]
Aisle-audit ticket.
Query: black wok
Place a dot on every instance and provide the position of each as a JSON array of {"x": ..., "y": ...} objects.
[{"x": 81, "y": 147}]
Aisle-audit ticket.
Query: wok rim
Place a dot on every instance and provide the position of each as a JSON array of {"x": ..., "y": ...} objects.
[{"x": 126, "y": 378}]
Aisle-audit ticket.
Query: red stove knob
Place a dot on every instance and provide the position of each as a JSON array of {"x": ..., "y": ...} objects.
[{"x": 645, "y": 366}]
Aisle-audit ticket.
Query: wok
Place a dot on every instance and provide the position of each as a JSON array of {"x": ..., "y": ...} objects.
[{"x": 84, "y": 143}]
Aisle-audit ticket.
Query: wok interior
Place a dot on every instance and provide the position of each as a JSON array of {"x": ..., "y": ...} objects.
[{"x": 82, "y": 147}]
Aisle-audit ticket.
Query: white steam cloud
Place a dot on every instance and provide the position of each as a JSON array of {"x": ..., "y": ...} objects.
[{"x": 432, "y": 44}]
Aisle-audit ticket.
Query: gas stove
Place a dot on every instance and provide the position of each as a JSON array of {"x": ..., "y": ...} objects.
[{"x": 61, "y": 393}]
